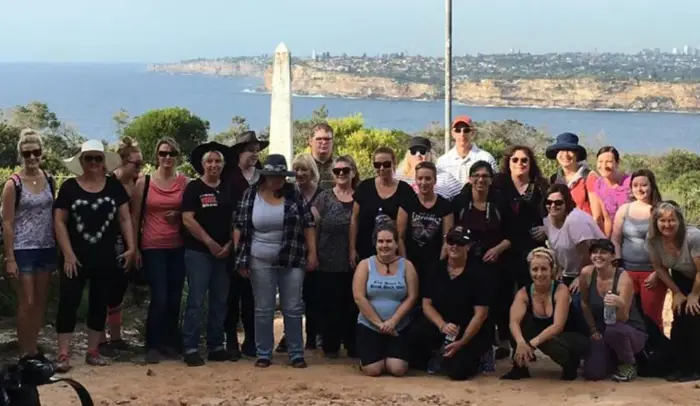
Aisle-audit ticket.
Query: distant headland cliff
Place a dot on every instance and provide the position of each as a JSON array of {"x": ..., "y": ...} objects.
[{"x": 657, "y": 82}]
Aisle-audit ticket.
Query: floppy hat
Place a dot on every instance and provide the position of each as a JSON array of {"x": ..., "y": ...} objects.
[
  {"x": 112, "y": 160},
  {"x": 248, "y": 137},
  {"x": 275, "y": 165},
  {"x": 198, "y": 153},
  {"x": 566, "y": 142}
]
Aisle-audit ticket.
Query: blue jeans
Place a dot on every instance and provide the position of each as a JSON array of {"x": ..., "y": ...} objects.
[
  {"x": 265, "y": 279},
  {"x": 204, "y": 274},
  {"x": 165, "y": 272}
]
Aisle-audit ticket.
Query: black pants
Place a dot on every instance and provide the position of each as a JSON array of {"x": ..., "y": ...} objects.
[
  {"x": 240, "y": 307},
  {"x": 685, "y": 333},
  {"x": 567, "y": 347},
  {"x": 505, "y": 294},
  {"x": 338, "y": 311},
  {"x": 426, "y": 338},
  {"x": 312, "y": 305},
  {"x": 102, "y": 292}
]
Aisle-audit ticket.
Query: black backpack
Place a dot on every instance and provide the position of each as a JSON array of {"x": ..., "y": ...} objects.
[{"x": 17, "y": 181}]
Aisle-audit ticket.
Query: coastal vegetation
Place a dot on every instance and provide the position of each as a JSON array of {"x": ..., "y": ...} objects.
[{"x": 678, "y": 171}]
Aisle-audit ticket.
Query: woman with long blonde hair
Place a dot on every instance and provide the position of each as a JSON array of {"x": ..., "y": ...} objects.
[{"x": 421, "y": 150}]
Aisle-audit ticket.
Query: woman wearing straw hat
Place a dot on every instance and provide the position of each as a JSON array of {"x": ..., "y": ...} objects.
[
  {"x": 207, "y": 213},
  {"x": 90, "y": 211}
]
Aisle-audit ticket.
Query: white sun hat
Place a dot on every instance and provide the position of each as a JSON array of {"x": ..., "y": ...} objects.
[{"x": 112, "y": 159}]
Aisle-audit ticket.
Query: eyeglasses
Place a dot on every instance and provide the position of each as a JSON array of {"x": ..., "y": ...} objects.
[
  {"x": 556, "y": 203},
  {"x": 27, "y": 154},
  {"x": 341, "y": 171},
  {"x": 164, "y": 154},
  {"x": 483, "y": 176},
  {"x": 323, "y": 139},
  {"x": 98, "y": 159},
  {"x": 456, "y": 240},
  {"x": 385, "y": 164},
  {"x": 523, "y": 160},
  {"x": 418, "y": 150}
]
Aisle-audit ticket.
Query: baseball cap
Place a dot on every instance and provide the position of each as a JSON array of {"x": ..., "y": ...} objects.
[
  {"x": 602, "y": 244},
  {"x": 420, "y": 142},
  {"x": 462, "y": 120},
  {"x": 458, "y": 235}
]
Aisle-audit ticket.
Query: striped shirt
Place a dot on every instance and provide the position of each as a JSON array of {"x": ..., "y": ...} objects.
[
  {"x": 446, "y": 186},
  {"x": 459, "y": 167}
]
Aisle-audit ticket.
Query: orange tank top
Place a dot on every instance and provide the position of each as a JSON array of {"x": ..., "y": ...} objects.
[{"x": 158, "y": 231}]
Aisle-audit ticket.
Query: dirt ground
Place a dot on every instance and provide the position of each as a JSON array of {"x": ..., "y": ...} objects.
[{"x": 339, "y": 382}]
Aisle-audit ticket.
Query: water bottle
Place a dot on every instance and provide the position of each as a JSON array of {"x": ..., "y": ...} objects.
[
  {"x": 610, "y": 313},
  {"x": 435, "y": 363}
]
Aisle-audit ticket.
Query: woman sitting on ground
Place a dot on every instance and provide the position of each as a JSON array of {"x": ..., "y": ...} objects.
[
  {"x": 603, "y": 284},
  {"x": 385, "y": 288},
  {"x": 538, "y": 318},
  {"x": 456, "y": 310}
]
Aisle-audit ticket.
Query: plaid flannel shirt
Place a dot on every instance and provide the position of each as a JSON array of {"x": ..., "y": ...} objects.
[{"x": 297, "y": 217}]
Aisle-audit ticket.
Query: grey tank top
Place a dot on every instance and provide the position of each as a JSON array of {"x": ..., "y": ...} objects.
[
  {"x": 268, "y": 230},
  {"x": 385, "y": 293},
  {"x": 597, "y": 305},
  {"x": 635, "y": 254},
  {"x": 34, "y": 220}
]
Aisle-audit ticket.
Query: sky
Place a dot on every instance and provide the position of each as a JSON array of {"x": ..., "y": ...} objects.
[{"x": 172, "y": 30}]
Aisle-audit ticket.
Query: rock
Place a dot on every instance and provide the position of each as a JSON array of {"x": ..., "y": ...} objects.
[{"x": 150, "y": 372}]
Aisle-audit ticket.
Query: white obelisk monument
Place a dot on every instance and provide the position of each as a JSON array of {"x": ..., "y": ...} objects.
[{"x": 281, "y": 107}]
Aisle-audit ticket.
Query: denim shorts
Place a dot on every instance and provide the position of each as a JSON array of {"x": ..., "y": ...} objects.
[{"x": 36, "y": 260}]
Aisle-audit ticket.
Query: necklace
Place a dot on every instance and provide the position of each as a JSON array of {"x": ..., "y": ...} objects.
[{"x": 387, "y": 264}]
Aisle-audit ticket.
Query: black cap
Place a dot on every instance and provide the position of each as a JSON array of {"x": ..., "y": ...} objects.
[
  {"x": 459, "y": 233},
  {"x": 420, "y": 142},
  {"x": 602, "y": 244}
]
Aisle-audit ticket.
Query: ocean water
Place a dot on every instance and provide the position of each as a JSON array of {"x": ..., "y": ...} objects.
[{"x": 88, "y": 95}]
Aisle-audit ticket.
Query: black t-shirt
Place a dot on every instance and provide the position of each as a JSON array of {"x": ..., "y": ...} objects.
[
  {"x": 212, "y": 209},
  {"x": 93, "y": 220},
  {"x": 424, "y": 235},
  {"x": 374, "y": 209},
  {"x": 455, "y": 298}
]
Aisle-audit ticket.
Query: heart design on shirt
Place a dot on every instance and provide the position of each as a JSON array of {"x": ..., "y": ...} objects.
[{"x": 93, "y": 237}]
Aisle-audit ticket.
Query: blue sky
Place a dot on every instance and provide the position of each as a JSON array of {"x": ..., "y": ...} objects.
[{"x": 171, "y": 30}]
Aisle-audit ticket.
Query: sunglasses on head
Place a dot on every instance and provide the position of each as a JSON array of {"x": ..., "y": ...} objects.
[
  {"x": 556, "y": 203},
  {"x": 418, "y": 150},
  {"x": 523, "y": 160},
  {"x": 456, "y": 240},
  {"x": 35, "y": 152},
  {"x": 385, "y": 164},
  {"x": 164, "y": 154},
  {"x": 98, "y": 159},
  {"x": 341, "y": 171}
]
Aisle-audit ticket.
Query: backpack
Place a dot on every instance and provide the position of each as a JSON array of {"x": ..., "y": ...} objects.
[{"x": 17, "y": 181}]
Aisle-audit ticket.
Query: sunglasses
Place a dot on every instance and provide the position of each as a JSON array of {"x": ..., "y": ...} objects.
[
  {"x": 35, "y": 152},
  {"x": 418, "y": 150},
  {"x": 164, "y": 154},
  {"x": 516, "y": 160},
  {"x": 456, "y": 240},
  {"x": 462, "y": 130},
  {"x": 556, "y": 203},
  {"x": 385, "y": 164},
  {"x": 341, "y": 171},
  {"x": 98, "y": 159}
]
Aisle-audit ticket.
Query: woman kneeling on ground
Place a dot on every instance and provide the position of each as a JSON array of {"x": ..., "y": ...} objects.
[
  {"x": 385, "y": 288},
  {"x": 622, "y": 335},
  {"x": 538, "y": 318},
  {"x": 456, "y": 309}
]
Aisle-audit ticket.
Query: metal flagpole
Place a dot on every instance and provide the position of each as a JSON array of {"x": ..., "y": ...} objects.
[{"x": 448, "y": 72}]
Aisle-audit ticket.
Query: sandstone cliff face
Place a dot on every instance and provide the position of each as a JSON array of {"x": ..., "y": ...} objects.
[{"x": 207, "y": 67}]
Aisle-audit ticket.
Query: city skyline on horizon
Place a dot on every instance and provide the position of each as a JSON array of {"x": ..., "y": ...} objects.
[{"x": 174, "y": 30}]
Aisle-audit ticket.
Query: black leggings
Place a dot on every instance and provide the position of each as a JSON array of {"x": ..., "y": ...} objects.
[
  {"x": 240, "y": 307},
  {"x": 685, "y": 332},
  {"x": 339, "y": 312},
  {"x": 103, "y": 291},
  {"x": 312, "y": 306}
]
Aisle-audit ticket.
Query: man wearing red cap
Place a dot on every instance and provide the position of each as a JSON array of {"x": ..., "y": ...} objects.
[{"x": 465, "y": 153}]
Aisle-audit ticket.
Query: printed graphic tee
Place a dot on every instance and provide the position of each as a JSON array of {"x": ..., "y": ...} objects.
[
  {"x": 213, "y": 211},
  {"x": 424, "y": 234}
]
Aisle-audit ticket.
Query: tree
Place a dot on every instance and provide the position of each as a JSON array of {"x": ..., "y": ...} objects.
[
  {"x": 239, "y": 125},
  {"x": 9, "y": 136},
  {"x": 179, "y": 123},
  {"x": 121, "y": 120}
]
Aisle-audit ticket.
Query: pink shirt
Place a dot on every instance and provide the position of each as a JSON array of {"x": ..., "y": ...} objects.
[
  {"x": 579, "y": 226},
  {"x": 158, "y": 232},
  {"x": 612, "y": 196}
]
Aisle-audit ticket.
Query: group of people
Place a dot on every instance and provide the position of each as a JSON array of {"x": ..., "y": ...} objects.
[{"x": 438, "y": 264}]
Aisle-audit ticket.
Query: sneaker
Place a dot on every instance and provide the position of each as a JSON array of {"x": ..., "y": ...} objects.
[
  {"x": 63, "y": 363},
  {"x": 119, "y": 345},
  {"x": 516, "y": 374},
  {"x": 262, "y": 363},
  {"x": 193, "y": 359},
  {"x": 170, "y": 353},
  {"x": 152, "y": 356},
  {"x": 94, "y": 358},
  {"x": 218, "y": 356},
  {"x": 282, "y": 346},
  {"x": 106, "y": 350},
  {"x": 299, "y": 363},
  {"x": 234, "y": 354},
  {"x": 625, "y": 373}
]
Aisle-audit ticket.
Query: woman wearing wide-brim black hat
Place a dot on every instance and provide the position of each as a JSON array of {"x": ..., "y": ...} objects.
[
  {"x": 199, "y": 152},
  {"x": 276, "y": 245},
  {"x": 573, "y": 169}
]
